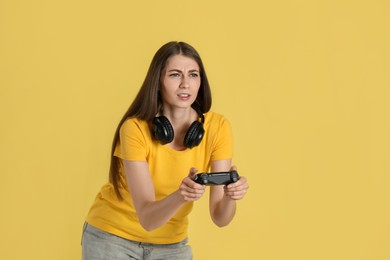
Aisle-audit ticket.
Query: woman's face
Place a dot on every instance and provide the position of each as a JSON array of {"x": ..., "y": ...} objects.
[{"x": 180, "y": 82}]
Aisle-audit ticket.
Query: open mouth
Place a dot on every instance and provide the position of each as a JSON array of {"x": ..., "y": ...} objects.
[{"x": 184, "y": 95}]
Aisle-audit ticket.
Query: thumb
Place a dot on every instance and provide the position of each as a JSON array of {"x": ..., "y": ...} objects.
[
  {"x": 192, "y": 172},
  {"x": 233, "y": 168}
]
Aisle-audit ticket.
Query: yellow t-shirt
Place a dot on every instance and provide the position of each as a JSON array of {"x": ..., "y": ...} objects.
[{"x": 168, "y": 168}]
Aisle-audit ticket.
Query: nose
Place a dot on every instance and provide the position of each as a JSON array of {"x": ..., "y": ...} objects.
[{"x": 184, "y": 82}]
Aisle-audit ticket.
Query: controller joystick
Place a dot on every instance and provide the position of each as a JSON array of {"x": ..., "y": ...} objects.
[{"x": 203, "y": 178}]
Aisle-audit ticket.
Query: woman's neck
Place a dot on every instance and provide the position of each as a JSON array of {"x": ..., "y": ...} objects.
[{"x": 180, "y": 121}]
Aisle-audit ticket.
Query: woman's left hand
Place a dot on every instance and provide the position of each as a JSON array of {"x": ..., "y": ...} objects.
[{"x": 237, "y": 190}]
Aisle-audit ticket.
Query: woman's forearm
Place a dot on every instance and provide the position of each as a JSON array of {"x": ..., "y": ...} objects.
[
  {"x": 157, "y": 213},
  {"x": 224, "y": 212},
  {"x": 154, "y": 214}
]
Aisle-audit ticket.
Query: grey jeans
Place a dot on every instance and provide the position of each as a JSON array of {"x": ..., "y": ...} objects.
[{"x": 100, "y": 245}]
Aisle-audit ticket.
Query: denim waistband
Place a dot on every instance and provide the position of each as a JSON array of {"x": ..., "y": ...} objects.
[{"x": 140, "y": 244}]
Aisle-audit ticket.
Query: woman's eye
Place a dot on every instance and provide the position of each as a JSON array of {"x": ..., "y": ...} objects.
[
  {"x": 194, "y": 75},
  {"x": 174, "y": 75}
]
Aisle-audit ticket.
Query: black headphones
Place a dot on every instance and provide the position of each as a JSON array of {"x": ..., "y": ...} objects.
[{"x": 162, "y": 131}]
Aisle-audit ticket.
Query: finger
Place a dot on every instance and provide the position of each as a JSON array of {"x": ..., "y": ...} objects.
[
  {"x": 238, "y": 190},
  {"x": 242, "y": 181},
  {"x": 190, "y": 186},
  {"x": 191, "y": 196},
  {"x": 192, "y": 172},
  {"x": 189, "y": 182},
  {"x": 236, "y": 195},
  {"x": 189, "y": 190},
  {"x": 233, "y": 168}
]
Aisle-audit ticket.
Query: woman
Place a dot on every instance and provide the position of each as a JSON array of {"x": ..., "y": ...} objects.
[{"x": 166, "y": 137}]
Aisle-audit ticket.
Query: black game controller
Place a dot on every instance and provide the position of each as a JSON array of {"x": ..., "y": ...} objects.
[{"x": 216, "y": 178}]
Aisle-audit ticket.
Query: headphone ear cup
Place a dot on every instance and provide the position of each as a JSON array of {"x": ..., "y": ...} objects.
[
  {"x": 194, "y": 135},
  {"x": 162, "y": 130}
]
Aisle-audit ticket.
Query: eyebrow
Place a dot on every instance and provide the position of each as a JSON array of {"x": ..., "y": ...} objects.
[{"x": 177, "y": 70}]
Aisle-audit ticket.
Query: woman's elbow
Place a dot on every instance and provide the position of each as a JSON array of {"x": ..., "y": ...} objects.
[
  {"x": 147, "y": 225},
  {"x": 221, "y": 223}
]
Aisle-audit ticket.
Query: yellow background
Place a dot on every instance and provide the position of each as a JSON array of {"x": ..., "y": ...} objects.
[{"x": 305, "y": 84}]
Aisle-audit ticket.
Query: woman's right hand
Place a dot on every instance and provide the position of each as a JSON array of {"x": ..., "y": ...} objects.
[{"x": 190, "y": 190}]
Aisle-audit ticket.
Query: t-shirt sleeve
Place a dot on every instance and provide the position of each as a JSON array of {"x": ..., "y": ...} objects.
[
  {"x": 132, "y": 144},
  {"x": 223, "y": 147}
]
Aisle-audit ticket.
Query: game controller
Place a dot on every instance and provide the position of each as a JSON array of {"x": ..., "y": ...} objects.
[{"x": 216, "y": 178}]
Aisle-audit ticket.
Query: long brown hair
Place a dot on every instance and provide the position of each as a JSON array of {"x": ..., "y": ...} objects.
[{"x": 148, "y": 101}]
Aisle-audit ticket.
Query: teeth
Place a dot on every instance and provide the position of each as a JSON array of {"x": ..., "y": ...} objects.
[{"x": 184, "y": 95}]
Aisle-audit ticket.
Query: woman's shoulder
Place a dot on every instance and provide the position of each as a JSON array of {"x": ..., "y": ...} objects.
[
  {"x": 135, "y": 123},
  {"x": 135, "y": 120}
]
